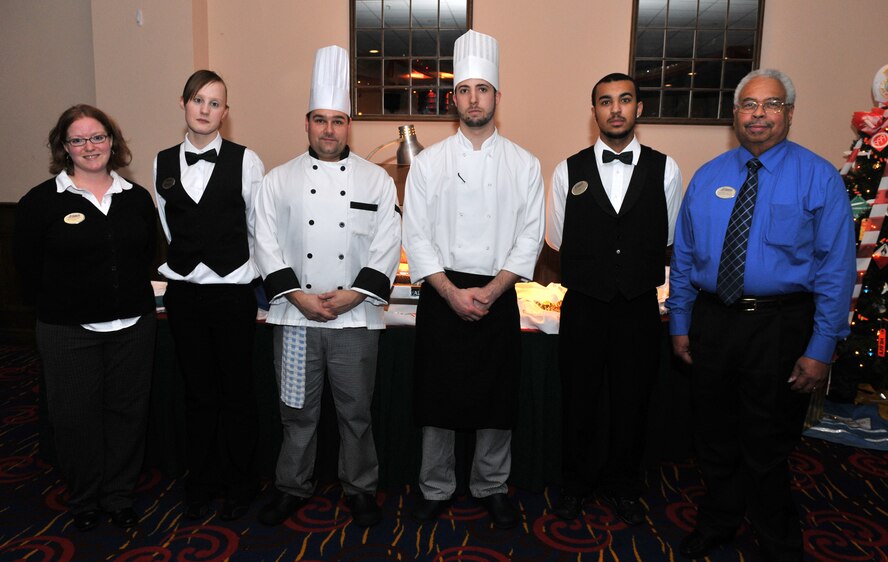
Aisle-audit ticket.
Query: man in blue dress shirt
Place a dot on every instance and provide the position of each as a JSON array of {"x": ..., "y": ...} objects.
[{"x": 756, "y": 309}]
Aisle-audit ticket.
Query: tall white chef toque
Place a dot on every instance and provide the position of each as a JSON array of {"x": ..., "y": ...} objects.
[
  {"x": 476, "y": 55},
  {"x": 329, "y": 80}
]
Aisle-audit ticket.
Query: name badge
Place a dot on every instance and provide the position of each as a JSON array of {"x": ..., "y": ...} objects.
[
  {"x": 579, "y": 187},
  {"x": 725, "y": 192},
  {"x": 168, "y": 183},
  {"x": 74, "y": 218}
]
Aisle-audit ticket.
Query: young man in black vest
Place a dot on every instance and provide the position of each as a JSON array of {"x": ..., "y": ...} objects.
[{"x": 611, "y": 214}]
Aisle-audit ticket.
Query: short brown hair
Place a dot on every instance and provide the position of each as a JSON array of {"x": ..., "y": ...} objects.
[
  {"x": 197, "y": 81},
  {"x": 59, "y": 160}
]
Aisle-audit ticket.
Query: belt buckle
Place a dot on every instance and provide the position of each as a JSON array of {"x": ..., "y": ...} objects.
[{"x": 748, "y": 305}]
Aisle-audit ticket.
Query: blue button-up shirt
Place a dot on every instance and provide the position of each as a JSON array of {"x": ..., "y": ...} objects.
[{"x": 801, "y": 238}]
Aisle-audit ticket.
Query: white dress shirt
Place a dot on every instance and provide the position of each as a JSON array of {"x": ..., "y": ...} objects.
[
  {"x": 194, "y": 181},
  {"x": 615, "y": 177}
]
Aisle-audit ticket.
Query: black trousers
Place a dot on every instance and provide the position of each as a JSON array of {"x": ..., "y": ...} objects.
[
  {"x": 213, "y": 328},
  {"x": 747, "y": 420},
  {"x": 97, "y": 390},
  {"x": 611, "y": 347}
]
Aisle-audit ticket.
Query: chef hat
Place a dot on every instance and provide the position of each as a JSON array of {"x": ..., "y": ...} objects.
[
  {"x": 329, "y": 81},
  {"x": 476, "y": 55}
]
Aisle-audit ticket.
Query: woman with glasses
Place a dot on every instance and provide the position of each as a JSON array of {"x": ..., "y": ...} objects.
[{"x": 84, "y": 246}]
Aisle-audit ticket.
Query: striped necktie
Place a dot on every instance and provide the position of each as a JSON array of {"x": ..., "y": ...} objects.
[{"x": 733, "y": 258}]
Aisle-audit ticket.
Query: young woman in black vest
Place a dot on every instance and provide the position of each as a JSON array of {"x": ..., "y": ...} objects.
[
  {"x": 205, "y": 190},
  {"x": 84, "y": 246}
]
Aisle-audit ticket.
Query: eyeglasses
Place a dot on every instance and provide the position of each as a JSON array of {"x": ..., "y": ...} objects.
[
  {"x": 95, "y": 139},
  {"x": 769, "y": 106}
]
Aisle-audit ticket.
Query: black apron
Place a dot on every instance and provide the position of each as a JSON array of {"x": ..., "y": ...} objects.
[{"x": 466, "y": 373}]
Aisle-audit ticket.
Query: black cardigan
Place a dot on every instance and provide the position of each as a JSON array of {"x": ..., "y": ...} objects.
[{"x": 79, "y": 266}]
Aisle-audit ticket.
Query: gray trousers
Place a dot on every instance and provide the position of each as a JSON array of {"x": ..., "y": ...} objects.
[
  {"x": 491, "y": 464},
  {"x": 97, "y": 389},
  {"x": 348, "y": 358}
]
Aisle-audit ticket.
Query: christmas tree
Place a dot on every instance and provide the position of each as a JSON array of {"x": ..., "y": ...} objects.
[{"x": 862, "y": 357}]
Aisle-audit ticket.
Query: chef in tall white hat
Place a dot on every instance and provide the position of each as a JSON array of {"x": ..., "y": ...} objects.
[
  {"x": 473, "y": 227},
  {"x": 328, "y": 245}
]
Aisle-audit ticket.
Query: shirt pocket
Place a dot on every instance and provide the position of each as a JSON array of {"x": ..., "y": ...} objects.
[
  {"x": 362, "y": 218},
  {"x": 787, "y": 225}
]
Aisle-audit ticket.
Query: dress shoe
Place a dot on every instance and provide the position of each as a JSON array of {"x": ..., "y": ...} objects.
[
  {"x": 629, "y": 510},
  {"x": 196, "y": 509},
  {"x": 364, "y": 510},
  {"x": 428, "y": 510},
  {"x": 568, "y": 507},
  {"x": 698, "y": 544},
  {"x": 280, "y": 509},
  {"x": 124, "y": 518},
  {"x": 233, "y": 509},
  {"x": 86, "y": 520},
  {"x": 501, "y": 510}
]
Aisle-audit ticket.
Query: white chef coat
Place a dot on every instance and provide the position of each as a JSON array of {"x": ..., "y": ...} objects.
[
  {"x": 615, "y": 178},
  {"x": 309, "y": 219},
  {"x": 473, "y": 211}
]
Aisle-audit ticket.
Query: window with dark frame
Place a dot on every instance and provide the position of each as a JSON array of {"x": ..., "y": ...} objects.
[
  {"x": 688, "y": 56},
  {"x": 402, "y": 57}
]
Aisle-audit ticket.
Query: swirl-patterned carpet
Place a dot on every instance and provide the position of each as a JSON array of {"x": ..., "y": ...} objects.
[{"x": 841, "y": 492}]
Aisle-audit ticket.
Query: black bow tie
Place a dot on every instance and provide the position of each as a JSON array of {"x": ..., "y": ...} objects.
[
  {"x": 191, "y": 158},
  {"x": 625, "y": 157}
]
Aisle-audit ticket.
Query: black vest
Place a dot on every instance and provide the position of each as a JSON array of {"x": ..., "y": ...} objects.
[
  {"x": 213, "y": 231},
  {"x": 603, "y": 252}
]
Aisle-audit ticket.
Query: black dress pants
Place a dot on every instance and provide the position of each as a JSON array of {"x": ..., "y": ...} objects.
[
  {"x": 213, "y": 328},
  {"x": 747, "y": 419}
]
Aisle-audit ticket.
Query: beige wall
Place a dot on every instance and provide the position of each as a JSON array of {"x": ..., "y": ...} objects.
[{"x": 551, "y": 57}]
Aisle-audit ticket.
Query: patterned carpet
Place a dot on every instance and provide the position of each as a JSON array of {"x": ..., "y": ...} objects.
[{"x": 841, "y": 491}]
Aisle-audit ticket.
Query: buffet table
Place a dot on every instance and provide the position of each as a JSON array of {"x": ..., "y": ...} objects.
[{"x": 536, "y": 444}]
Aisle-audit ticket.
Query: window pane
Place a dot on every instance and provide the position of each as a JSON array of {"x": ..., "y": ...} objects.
[
  {"x": 445, "y": 102},
  {"x": 368, "y": 102},
  {"x": 651, "y": 13},
  {"x": 649, "y": 43},
  {"x": 727, "y": 105},
  {"x": 678, "y": 74},
  {"x": 396, "y": 102},
  {"x": 453, "y": 14},
  {"x": 397, "y": 72},
  {"x": 704, "y": 105},
  {"x": 713, "y": 14},
  {"x": 396, "y": 44},
  {"x": 425, "y": 13},
  {"x": 734, "y": 71},
  {"x": 368, "y": 72},
  {"x": 425, "y": 101},
  {"x": 448, "y": 38},
  {"x": 651, "y": 102},
  {"x": 445, "y": 78},
  {"x": 682, "y": 13},
  {"x": 425, "y": 43},
  {"x": 743, "y": 14},
  {"x": 397, "y": 13},
  {"x": 368, "y": 43},
  {"x": 368, "y": 13},
  {"x": 675, "y": 104},
  {"x": 741, "y": 44},
  {"x": 680, "y": 44},
  {"x": 707, "y": 74},
  {"x": 424, "y": 72},
  {"x": 649, "y": 73},
  {"x": 710, "y": 44}
]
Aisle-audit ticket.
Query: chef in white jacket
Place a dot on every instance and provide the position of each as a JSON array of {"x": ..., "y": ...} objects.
[{"x": 327, "y": 246}]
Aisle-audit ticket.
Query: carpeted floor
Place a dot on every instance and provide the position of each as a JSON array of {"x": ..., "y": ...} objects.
[{"x": 841, "y": 491}]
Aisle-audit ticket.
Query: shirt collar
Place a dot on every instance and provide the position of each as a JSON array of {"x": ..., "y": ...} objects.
[
  {"x": 770, "y": 159},
  {"x": 342, "y": 155},
  {"x": 215, "y": 143},
  {"x": 64, "y": 183},
  {"x": 599, "y": 147},
  {"x": 488, "y": 143}
]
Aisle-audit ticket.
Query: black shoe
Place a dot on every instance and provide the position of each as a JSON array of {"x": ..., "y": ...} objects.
[
  {"x": 124, "y": 518},
  {"x": 629, "y": 510},
  {"x": 501, "y": 510},
  {"x": 428, "y": 510},
  {"x": 86, "y": 520},
  {"x": 233, "y": 509},
  {"x": 568, "y": 507},
  {"x": 196, "y": 509},
  {"x": 364, "y": 510},
  {"x": 280, "y": 509},
  {"x": 698, "y": 544}
]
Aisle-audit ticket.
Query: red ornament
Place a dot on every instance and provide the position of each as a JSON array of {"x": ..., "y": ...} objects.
[{"x": 880, "y": 337}]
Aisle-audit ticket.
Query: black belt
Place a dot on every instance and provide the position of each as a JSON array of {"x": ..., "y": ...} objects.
[{"x": 753, "y": 304}]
